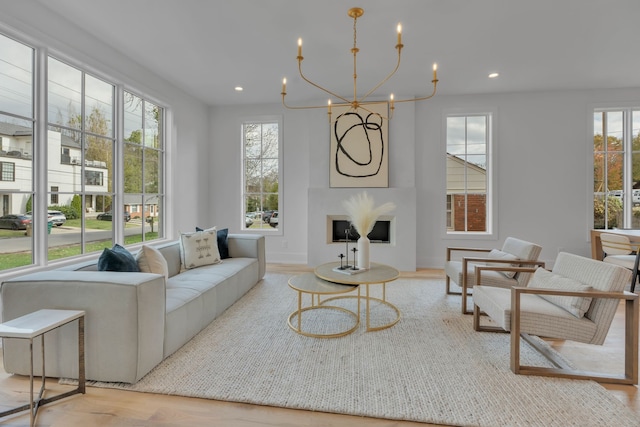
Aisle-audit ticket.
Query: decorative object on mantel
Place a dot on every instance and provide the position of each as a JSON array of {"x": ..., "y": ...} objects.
[
  {"x": 358, "y": 103},
  {"x": 363, "y": 216}
]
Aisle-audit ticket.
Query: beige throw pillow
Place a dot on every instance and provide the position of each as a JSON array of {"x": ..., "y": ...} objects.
[
  {"x": 199, "y": 248},
  {"x": 150, "y": 260},
  {"x": 544, "y": 279}
]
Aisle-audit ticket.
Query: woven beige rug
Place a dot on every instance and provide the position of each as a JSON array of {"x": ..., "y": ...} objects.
[{"x": 430, "y": 367}]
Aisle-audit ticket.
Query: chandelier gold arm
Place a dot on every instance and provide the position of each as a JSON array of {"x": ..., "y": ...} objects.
[
  {"x": 317, "y": 85},
  {"x": 356, "y": 103},
  {"x": 399, "y": 47},
  {"x": 435, "y": 82}
]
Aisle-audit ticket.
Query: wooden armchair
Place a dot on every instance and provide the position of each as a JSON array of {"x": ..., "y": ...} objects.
[
  {"x": 576, "y": 301},
  {"x": 514, "y": 253}
]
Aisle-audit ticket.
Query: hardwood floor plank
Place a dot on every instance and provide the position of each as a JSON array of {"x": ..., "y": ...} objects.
[{"x": 106, "y": 407}]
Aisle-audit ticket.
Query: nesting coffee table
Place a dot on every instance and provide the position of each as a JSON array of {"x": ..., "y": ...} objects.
[{"x": 324, "y": 281}]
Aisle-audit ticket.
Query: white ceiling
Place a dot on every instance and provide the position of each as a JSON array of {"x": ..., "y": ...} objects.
[{"x": 207, "y": 47}]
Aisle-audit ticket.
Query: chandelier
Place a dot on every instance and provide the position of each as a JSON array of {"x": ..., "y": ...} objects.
[{"x": 356, "y": 103}]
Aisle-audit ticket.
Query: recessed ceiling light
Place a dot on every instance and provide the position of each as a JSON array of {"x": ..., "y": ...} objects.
[
  {"x": 493, "y": 75},
  {"x": 239, "y": 89}
]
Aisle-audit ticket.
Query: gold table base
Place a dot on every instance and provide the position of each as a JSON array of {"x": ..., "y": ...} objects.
[{"x": 324, "y": 281}]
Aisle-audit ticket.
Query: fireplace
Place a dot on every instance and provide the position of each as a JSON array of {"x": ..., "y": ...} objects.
[
  {"x": 382, "y": 232},
  {"x": 326, "y": 206}
]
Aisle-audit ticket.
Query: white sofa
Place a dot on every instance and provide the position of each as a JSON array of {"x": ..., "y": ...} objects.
[{"x": 133, "y": 320}]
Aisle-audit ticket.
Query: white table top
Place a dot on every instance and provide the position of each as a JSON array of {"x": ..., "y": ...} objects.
[{"x": 37, "y": 323}]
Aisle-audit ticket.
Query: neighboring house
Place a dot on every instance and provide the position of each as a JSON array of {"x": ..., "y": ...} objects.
[
  {"x": 473, "y": 196},
  {"x": 64, "y": 172}
]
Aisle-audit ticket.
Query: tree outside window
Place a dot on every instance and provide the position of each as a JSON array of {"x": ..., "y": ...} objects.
[
  {"x": 616, "y": 168},
  {"x": 261, "y": 175}
]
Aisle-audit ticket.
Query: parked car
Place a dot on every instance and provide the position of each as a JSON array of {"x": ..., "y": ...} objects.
[
  {"x": 273, "y": 221},
  {"x": 56, "y": 217},
  {"x": 248, "y": 222},
  {"x": 266, "y": 216},
  {"x": 15, "y": 222},
  {"x": 108, "y": 216}
]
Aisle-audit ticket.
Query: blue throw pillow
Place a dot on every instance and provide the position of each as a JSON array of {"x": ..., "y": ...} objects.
[
  {"x": 117, "y": 259},
  {"x": 223, "y": 245}
]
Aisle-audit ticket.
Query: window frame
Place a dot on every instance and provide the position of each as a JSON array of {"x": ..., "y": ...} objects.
[
  {"x": 278, "y": 119},
  {"x": 627, "y": 110},
  {"x": 40, "y": 186},
  {"x": 491, "y": 218}
]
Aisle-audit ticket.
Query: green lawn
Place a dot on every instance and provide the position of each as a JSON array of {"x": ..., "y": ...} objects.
[{"x": 13, "y": 260}]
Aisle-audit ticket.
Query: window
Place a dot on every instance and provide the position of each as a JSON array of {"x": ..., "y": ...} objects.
[
  {"x": 143, "y": 165},
  {"x": 54, "y": 195},
  {"x": 89, "y": 170},
  {"x": 17, "y": 124},
  {"x": 468, "y": 207},
  {"x": 616, "y": 168},
  {"x": 262, "y": 173},
  {"x": 93, "y": 178},
  {"x": 7, "y": 171}
]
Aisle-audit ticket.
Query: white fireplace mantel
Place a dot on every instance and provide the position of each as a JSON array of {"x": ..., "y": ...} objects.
[{"x": 327, "y": 202}]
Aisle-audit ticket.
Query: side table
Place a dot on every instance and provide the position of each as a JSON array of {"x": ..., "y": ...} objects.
[{"x": 36, "y": 324}]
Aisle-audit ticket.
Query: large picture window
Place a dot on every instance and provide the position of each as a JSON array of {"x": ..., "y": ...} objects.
[
  {"x": 107, "y": 179},
  {"x": 261, "y": 147},
  {"x": 468, "y": 199},
  {"x": 616, "y": 168}
]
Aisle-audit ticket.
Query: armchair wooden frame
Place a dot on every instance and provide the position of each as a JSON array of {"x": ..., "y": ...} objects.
[
  {"x": 561, "y": 368},
  {"x": 466, "y": 260}
]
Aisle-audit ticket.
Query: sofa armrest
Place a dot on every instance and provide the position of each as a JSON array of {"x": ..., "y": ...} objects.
[
  {"x": 248, "y": 246},
  {"x": 124, "y": 323}
]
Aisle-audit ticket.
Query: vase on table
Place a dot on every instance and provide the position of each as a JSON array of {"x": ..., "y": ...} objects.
[{"x": 363, "y": 252}]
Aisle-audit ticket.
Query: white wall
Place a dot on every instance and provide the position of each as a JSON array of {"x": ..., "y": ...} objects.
[
  {"x": 543, "y": 154},
  {"x": 543, "y": 160},
  {"x": 544, "y": 168},
  {"x": 225, "y": 186}
]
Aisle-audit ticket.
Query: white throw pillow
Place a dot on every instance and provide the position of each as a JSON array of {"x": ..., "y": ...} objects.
[
  {"x": 498, "y": 254},
  {"x": 199, "y": 248},
  {"x": 544, "y": 279},
  {"x": 150, "y": 260}
]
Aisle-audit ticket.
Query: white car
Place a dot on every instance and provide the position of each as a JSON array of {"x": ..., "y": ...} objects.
[
  {"x": 273, "y": 221},
  {"x": 56, "y": 217}
]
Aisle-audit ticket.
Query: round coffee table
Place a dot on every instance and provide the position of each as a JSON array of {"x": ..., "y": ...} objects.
[
  {"x": 378, "y": 274},
  {"x": 309, "y": 283}
]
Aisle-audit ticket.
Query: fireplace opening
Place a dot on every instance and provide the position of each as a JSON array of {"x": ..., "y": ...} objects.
[{"x": 381, "y": 232}]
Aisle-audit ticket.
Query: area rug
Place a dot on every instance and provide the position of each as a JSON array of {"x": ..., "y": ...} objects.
[{"x": 430, "y": 367}]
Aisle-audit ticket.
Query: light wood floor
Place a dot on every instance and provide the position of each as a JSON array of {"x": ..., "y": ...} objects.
[{"x": 103, "y": 407}]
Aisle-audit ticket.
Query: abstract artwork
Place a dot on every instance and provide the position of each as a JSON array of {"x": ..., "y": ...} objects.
[{"x": 359, "y": 146}]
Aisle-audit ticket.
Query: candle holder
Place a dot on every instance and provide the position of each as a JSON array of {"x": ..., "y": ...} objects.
[
  {"x": 354, "y": 250},
  {"x": 341, "y": 256}
]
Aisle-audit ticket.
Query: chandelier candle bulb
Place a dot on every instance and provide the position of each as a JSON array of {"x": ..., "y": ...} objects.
[
  {"x": 300, "y": 48},
  {"x": 284, "y": 85},
  {"x": 435, "y": 71},
  {"x": 399, "y": 34}
]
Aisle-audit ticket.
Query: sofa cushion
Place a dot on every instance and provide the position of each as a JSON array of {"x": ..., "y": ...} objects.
[
  {"x": 223, "y": 244},
  {"x": 578, "y": 306},
  {"x": 150, "y": 260},
  {"x": 117, "y": 259},
  {"x": 199, "y": 248}
]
